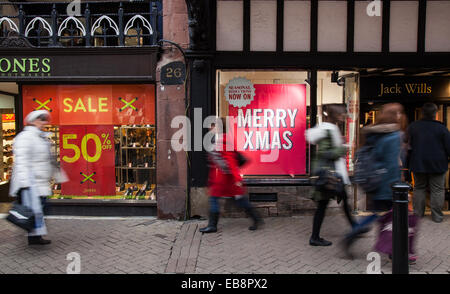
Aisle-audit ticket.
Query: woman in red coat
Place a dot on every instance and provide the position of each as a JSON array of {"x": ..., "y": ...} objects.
[{"x": 225, "y": 181}]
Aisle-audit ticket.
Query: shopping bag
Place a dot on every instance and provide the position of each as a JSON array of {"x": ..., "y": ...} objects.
[
  {"x": 384, "y": 241},
  {"x": 22, "y": 216}
]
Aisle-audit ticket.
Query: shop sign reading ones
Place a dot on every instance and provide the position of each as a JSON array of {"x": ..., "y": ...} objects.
[
  {"x": 31, "y": 66},
  {"x": 269, "y": 126}
]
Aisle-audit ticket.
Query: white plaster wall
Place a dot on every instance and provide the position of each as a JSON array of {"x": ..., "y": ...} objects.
[
  {"x": 404, "y": 23},
  {"x": 437, "y": 35},
  {"x": 263, "y": 25},
  {"x": 230, "y": 26},
  {"x": 368, "y": 29},
  {"x": 297, "y": 25},
  {"x": 332, "y": 28}
]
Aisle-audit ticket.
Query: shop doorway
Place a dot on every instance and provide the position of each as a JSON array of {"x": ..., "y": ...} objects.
[{"x": 368, "y": 116}]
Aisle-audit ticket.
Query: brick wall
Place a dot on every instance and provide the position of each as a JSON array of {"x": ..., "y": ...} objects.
[{"x": 171, "y": 102}]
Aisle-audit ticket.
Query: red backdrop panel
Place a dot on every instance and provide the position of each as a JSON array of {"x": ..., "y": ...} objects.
[
  {"x": 133, "y": 104},
  {"x": 287, "y": 147},
  {"x": 87, "y": 156},
  {"x": 43, "y": 97},
  {"x": 93, "y": 104}
]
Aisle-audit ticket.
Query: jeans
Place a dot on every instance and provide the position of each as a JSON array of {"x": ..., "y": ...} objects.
[{"x": 241, "y": 201}]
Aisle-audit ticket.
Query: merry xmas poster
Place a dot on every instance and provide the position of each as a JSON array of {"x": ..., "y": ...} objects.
[{"x": 269, "y": 126}]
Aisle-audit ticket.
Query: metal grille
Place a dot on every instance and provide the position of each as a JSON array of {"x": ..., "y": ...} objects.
[{"x": 100, "y": 24}]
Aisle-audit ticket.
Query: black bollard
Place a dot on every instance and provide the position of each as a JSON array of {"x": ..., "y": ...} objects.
[{"x": 400, "y": 250}]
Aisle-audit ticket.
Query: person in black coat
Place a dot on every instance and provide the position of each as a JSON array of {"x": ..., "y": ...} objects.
[{"x": 429, "y": 141}]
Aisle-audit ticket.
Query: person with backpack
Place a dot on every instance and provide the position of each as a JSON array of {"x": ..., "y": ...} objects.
[
  {"x": 329, "y": 158},
  {"x": 383, "y": 143},
  {"x": 224, "y": 179}
]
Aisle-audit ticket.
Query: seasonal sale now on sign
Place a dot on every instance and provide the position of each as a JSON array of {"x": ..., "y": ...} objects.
[{"x": 92, "y": 104}]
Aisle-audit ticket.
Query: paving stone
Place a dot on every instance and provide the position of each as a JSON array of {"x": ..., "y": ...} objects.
[{"x": 281, "y": 246}]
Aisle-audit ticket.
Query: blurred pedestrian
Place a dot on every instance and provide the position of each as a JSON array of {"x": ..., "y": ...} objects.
[
  {"x": 34, "y": 167},
  {"x": 386, "y": 138},
  {"x": 404, "y": 148},
  {"x": 224, "y": 180},
  {"x": 430, "y": 150},
  {"x": 330, "y": 156}
]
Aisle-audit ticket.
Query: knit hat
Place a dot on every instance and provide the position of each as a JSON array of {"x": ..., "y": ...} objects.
[{"x": 32, "y": 116}]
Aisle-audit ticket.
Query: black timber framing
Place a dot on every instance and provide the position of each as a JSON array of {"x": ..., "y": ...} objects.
[
  {"x": 350, "y": 25},
  {"x": 314, "y": 26},
  {"x": 329, "y": 60},
  {"x": 386, "y": 26},
  {"x": 247, "y": 6},
  {"x": 280, "y": 25},
  {"x": 312, "y": 61},
  {"x": 421, "y": 26}
]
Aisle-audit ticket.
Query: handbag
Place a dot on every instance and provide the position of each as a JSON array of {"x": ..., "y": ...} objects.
[
  {"x": 326, "y": 179},
  {"x": 241, "y": 159},
  {"x": 22, "y": 216},
  {"x": 384, "y": 239}
]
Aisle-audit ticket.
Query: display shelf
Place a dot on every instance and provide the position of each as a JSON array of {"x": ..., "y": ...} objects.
[
  {"x": 135, "y": 167},
  {"x": 143, "y": 148},
  {"x": 127, "y": 153},
  {"x": 128, "y": 127}
]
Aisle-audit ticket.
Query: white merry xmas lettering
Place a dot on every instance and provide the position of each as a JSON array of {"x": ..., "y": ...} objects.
[
  {"x": 277, "y": 118},
  {"x": 263, "y": 139}
]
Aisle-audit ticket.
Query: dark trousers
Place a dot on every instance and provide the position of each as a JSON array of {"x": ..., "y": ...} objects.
[
  {"x": 436, "y": 184},
  {"x": 242, "y": 202},
  {"x": 320, "y": 215}
]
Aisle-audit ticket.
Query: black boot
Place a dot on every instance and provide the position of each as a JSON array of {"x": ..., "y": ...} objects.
[
  {"x": 257, "y": 220},
  {"x": 314, "y": 241},
  {"x": 212, "y": 223},
  {"x": 37, "y": 240}
]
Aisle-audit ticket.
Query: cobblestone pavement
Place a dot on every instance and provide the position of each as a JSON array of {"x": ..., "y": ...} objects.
[{"x": 116, "y": 246}]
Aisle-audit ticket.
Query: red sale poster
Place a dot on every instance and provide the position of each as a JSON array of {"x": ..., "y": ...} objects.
[
  {"x": 92, "y": 104},
  {"x": 270, "y": 128},
  {"x": 87, "y": 156}
]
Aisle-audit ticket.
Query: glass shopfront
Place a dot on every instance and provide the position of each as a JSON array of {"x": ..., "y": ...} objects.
[
  {"x": 104, "y": 138},
  {"x": 412, "y": 93},
  {"x": 271, "y": 111}
]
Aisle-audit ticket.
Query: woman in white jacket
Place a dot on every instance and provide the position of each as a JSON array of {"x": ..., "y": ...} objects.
[
  {"x": 330, "y": 149},
  {"x": 34, "y": 167}
]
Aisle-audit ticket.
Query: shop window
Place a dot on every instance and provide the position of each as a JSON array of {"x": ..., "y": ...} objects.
[
  {"x": 8, "y": 132},
  {"x": 103, "y": 136},
  {"x": 270, "y": 113},
  {"x": 136, "y": 161}
]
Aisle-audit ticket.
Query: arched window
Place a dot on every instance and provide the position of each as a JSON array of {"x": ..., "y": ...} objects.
[
  {"x": 39, "y": 32},
  {"x": 105, "y": 32},
  {"x": 7, "y": 26},
  {"x": 71, "y": 32},
  {"x": 138, "y": 31}
]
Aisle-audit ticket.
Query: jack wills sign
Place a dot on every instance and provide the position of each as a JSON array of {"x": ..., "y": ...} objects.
[{"x": 413, "y": 88}]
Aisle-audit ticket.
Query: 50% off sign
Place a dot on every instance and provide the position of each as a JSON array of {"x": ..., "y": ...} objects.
[{"x": 101, "y": 145}]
